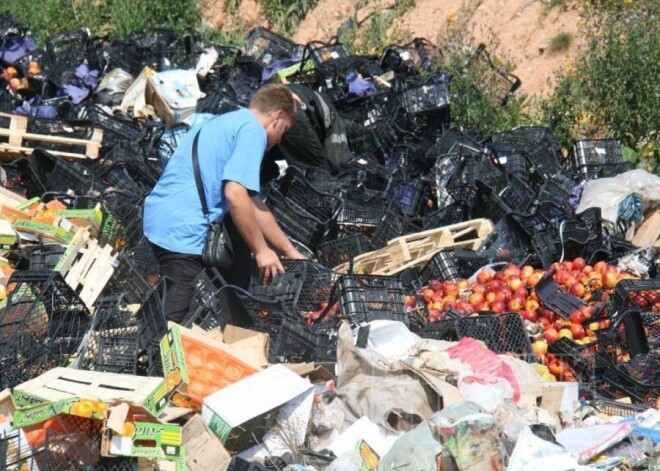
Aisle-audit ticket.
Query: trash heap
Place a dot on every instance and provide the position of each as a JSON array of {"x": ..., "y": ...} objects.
[{"x": 469, "y": 302}]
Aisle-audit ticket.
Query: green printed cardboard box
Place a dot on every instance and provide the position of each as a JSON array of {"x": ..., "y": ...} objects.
[
  {"x": 84, "y": 394},
  {"x": 145, "y": 440}
]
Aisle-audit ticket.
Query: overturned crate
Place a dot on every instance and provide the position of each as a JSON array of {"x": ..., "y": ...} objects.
[{"x": 415, "y": 249}]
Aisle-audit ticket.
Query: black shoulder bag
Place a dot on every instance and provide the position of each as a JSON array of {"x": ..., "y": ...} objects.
[{"x": 218, "y": 251}]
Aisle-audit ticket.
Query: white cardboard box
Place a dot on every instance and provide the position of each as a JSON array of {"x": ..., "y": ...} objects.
[{"x": 229, "y": 410}]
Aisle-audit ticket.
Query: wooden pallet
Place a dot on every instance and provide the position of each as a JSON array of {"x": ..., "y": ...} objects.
[
  {"x": 91, "y": 272},
  {"x": 410, "y": 250},
  {"x": 15, "y": 140}
]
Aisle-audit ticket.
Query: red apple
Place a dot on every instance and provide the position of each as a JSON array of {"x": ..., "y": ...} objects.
[
  {"x": 515, "y": 283},
  {"x": 577, "y": 317},
  {"x": 490, "y": 297},
  {"x": 479, "y": 288},
  {"x": 577, "y": 331},
  {"x": 494, "y": 286},
  {"x": 533, "y": 279},
  {"x": 579, "y": 263},
  {"x": 485, "y": 276},
  {"x": 497, "y": 307},
  {"x": 410, "y": 301},
  {"x": 450, "y": 289},
  {"x": 587, "y": 311},
  {"x": 577, "y": 289},
  {"x": 437, "y": 297},
  {"x": 514, "y": 304},
  {"x": 587, "y": 270},
  {"x": 435, "y": 285},
  {"x": 476, "y": 298},
  {"x": 463, "y": 284},
  {"x": 520, "y": 292},
  {"x": 551, "y": 335},
  {"x": 540, "y": 347},
  {"x": 600, "y": 267},
  {"x": 610, "y": 279},
  {"x": 561, "y": 276},
  {"x": 531, "y": 304},
  {"x": 545, "y": 323},
  {"x": 502, "y": 296},
  {"x": 526, "y": 271},
  {"x": 565, "y": 333},
  {"x": 427, "y": 294},
  {"x": 570, "y": 281},
  {"x": 511, "y": 270},
  {"x": 530, "y": 315}
]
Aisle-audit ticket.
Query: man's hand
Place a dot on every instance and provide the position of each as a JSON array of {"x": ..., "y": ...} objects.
[
  {"x": 293, "y": 254},
  {"x": 269, "y": 264}
]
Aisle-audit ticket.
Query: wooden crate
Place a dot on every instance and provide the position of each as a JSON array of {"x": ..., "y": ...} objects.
[
  {"x": 15, "y": 141},
  {"x": 89, "y": 274},
  {"x": 410, "y": 250}
]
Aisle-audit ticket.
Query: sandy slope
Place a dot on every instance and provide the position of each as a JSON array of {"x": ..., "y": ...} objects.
[{"x": 518, "y": 29}]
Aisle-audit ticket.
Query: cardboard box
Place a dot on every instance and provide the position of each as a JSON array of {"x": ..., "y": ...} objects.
[
  {"x": 84, "y": 394},
  {"x": 91, "y": 218},
  {"x": 244, "y": 411},
  {"x": 649, "y": 232},
  {"x": 145, "y": 440},
  {"x": 204, "y": 450},
  {"x": 173, "y": 94},
  {"x": 57, "y": 233},
  {"x": 196, "y": 366}
]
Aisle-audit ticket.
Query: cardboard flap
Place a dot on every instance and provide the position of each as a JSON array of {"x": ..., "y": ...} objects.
[
  {"x": 204, "y": 450},
  {"x": 65, "y": 383}
]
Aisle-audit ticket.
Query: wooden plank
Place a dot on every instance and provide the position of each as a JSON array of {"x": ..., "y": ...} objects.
[
  {"x": 416, "y": 249},
  {"x": 18, "y": 136},
  {"x": 97, "y": 275},
  {"x": 649, "y": 232},
  {"x": 27, "y": 151}
]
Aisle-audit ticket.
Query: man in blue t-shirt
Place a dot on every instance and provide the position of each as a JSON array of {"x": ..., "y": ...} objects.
[{"x": 230, "y": 149}]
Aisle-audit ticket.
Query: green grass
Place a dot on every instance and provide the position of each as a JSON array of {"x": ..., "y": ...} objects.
[{"x": 560, "y": 42}]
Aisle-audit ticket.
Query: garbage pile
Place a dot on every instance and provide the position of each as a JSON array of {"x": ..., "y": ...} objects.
[{"x": 469, "y": 302}]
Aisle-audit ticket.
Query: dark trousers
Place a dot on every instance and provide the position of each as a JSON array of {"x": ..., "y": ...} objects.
[{"x": 183, "y": 269}]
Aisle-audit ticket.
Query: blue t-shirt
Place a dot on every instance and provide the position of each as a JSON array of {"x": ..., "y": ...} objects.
[{"x": 230, "y": 148}]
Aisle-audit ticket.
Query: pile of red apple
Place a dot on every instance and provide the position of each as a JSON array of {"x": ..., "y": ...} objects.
[{"x": 513, "y": 290}]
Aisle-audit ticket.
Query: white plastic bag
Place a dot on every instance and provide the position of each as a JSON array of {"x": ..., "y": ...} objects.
[
  {"x": 485, "y": 390},
  {"x": 608, "y": 193}
]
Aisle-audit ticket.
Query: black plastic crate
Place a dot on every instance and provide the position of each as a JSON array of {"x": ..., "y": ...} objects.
[
  {"x": 393, "y": 225},
  {"x": 496, "y": 85},
  {"x": 316, "y": 288},
  {"x": 320, "y": 52},
  {"x": 502, "y": 333},
  {"x": 295, "y": 187},
  {"x": 442, "y": 266},
  {"x": 268, "y": 47},
  {"x": 335, "y": 252},
  {"x": 582, "y": 358},
  {"x": 616, "y": 383},
  {"x": 507, "y": 241},
  {"x": 598, "y": 158},
  {"x": 445, "y": 216},
  {"x": 425, "y": 96},
  {"x": 121, "y": 127},
  {"x": 7, "y": 103},
  {"x": 220, "y": 99},
  {"x": 41, "y": 326},
  {"x": 152, "y": 327},
  {"x": 365, "y": 298},
  {"x": 136, "y": 273},
  {"x": 618, "y": 408},
  {"x": 295, "y": 221},
  {"x": 443, "y": 329},
  {"x": 552, "y": 297},
  {"x": 46, "y": 257},
  {"x": 625, "y": 288},
  {"x": 111, "y": 342},
  {"x": 360, "y": 209},
  {"x": 284, "y": 287},
  {"x": 71, "y": 176},
  {"x": 409, "y": 196},
  {"x": 121, "y": 226},
  {"x": 360, "y": 175}
]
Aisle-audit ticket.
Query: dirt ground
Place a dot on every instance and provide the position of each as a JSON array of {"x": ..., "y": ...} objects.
[{"x": 518, "y": 29}]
